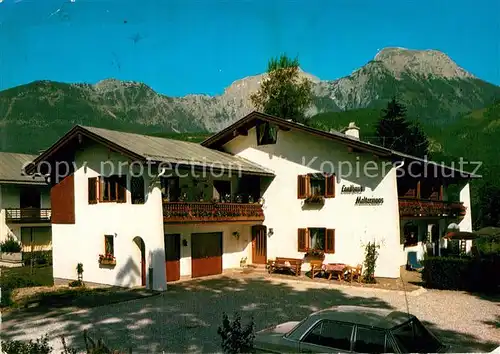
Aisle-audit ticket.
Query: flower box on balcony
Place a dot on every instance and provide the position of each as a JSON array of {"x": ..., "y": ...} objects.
[
  {"x": 315, "y": 254},
  {"x": 315, "y": 199},
  {"x": 107, "y": 260}
]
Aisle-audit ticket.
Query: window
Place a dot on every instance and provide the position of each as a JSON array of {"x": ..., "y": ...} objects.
[
  {"x": 410, "y": 232},
  {"x": 109, "y": 248},
  {"x": 369, "y": 340},
  {"x": 29, "y": 198},
  {"x": 137, "y": 190},
  {"x": 413, "y": 337},
  {"x": 113, "y": 189},
  {"x": 92, "y": 192},
  {"x": 222, "y": 191},
  {"x": 266, "y": 133},
  {"x": 315, "y": 185},
  {"x": 331, "y": 334},
  {"x": 320, "y": 239},
  {"x": 170, "y": 189}
]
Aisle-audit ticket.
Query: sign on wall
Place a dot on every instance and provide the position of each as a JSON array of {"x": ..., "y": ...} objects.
[
  {"x": 352, "y": 189},
  {"x": 368, "y": 201}
]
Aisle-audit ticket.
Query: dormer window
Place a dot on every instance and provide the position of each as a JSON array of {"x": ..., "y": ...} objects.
[{"x": 267, "y": 133}]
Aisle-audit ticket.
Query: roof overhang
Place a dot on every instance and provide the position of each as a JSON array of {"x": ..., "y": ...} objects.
[
  {"x": 241, "y": 127},
  {"x": 15, "y": 182},
  {"x": 76, "y": 134},
  {"x": 447, "y": 172}
]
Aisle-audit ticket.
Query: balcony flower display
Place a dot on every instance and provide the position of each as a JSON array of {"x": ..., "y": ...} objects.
[
  {"x": 315, "y": 253},
  {"x": 430, "y": 208},
  {"x": 315, "y": 199},
  {"x": 107, "y": 259}
]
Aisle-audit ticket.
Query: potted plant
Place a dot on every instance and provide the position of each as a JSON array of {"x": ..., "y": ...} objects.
[
  {"x": 10, "y": 250},
  {"x": 315, "y": 253},
  {"x": 107, "y": 259},
  {"x": 315, "y": 199}
]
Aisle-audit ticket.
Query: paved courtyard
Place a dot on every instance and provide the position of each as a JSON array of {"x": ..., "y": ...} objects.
[{"x": 185, "y": 319}]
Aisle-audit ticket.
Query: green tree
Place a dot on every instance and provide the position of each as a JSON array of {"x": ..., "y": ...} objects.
[
  {"x": 284, "y": 93},
  {"x": 488, "y": 208},
  {"x": 395, "y": 131}
]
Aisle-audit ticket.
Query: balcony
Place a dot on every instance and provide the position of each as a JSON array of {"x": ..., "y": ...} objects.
[
  {"x": 186, "y": 212},
  {"x": 412, "y": 207},
  {"x": 27, "y": 215}
]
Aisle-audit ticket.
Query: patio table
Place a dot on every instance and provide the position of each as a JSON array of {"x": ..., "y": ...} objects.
[{"x": 337, "y": 269}]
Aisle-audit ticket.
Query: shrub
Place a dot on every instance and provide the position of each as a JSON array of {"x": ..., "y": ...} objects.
[
  {"x": 236, "y": 339},
  {"x": 460, "y": 273},
  {"x": 75, "y": 283},
  {"x": 10, "y": 245},
  {"x": 40, "y": 346},
  {"x": 39, "y": 258},
  {"x": 371, "y": 255}
]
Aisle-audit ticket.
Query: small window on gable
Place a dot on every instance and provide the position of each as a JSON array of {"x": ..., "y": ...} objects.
[
  {"x": 267, "y": 133},
  {"x": 109, "y": 247},
  {"x": 137, "y": 190}
]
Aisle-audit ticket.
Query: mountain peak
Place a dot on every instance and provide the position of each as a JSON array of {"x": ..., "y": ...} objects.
[{"x": 427, "y": 62}]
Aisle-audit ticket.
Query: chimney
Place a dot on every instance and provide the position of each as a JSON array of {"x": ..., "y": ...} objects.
[{"x": 352, "y": 130}]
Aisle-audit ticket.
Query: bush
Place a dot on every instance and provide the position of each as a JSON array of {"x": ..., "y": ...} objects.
[
  {"x": 371, "y": 255},
  {"x": 39, "y": 258},
  {"x": 236, "y": 339},
  {"x": 461, "y": 273},
  {"x": 75, "y": 283},
  {"x": 40, "y": 346},
  {"x": 10, "y": 245}
]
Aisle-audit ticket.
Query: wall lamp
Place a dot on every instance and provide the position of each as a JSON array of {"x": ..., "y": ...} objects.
[{"x": 270, "y": 232}]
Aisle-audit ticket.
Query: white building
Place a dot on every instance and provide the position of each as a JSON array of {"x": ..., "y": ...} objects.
[
  {"x": 262, "y": 188},
  {"x": 24, "y": 204}
]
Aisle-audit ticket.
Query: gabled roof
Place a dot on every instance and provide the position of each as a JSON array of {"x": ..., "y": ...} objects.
[
  {"x": 11, "y": 169},
  {"x": 217, "y": 140},
  {"x": 142, "y": 148}
]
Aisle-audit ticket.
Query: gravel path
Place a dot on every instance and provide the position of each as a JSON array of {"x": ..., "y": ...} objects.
[{"x": 185, "y": 319}]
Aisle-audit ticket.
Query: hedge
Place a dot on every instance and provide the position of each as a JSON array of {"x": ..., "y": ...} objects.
[
  {"x": 462, "y": 273},
  {"x": 39, "y": 257}
]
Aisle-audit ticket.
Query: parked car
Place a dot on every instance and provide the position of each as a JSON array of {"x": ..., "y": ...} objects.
[{"x": 350, "y": 329}]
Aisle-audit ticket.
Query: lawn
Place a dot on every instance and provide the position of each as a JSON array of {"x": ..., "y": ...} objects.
[
  {"x": 36, "y": 292},
  {"x": 21, "y": 276}
]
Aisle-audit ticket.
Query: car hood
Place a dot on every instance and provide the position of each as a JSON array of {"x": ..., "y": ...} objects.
[{"x": 272, "y": 338}]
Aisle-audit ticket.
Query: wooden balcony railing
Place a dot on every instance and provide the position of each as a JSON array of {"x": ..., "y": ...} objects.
[
  {"x": 424, "y": 207},
  {"x": 27, "y": 215},
  {"x": 175, "y": 212}
]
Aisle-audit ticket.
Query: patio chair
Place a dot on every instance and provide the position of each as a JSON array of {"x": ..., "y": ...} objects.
[
  {"x": 316, "y": 268},
  {"x": 412, "y": 262},
  {"x": 356, "y": 273}
]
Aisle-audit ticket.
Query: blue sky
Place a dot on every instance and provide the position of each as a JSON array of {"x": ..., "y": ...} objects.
[{"x": 186, "y": 46}]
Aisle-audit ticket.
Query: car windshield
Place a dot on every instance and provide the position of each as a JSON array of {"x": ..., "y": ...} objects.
[
  {"x": 295, "y": 328},
  {"x": 413, "y": 337}
]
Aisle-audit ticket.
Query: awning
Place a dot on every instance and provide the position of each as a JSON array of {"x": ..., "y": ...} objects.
[{"x": 461, "y": 235}]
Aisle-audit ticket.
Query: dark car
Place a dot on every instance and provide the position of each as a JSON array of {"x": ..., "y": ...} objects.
[{"x": 350, "y": 329}]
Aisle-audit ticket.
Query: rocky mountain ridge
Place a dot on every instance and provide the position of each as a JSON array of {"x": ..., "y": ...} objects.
[{"x": 434, "y": 88}]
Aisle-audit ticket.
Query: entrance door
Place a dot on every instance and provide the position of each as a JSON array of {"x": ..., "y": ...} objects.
[
  {"x": 206, "y": 254},
  {"x": 139, "y": 242},
  {"x": 435, "y": 239},
  {"x": 173, "y": 257},
  {"x": 259, "y": 244}
]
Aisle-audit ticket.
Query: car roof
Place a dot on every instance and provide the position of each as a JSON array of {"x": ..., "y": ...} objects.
[{"x": 366, "y": 316}]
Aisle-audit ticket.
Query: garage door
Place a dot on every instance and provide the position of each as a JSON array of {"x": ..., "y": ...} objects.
[{"x": 206, "y": 254}]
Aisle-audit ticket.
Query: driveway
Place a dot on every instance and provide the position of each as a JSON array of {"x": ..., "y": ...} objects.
[{"x": 186, "y": 317}]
